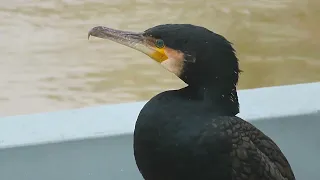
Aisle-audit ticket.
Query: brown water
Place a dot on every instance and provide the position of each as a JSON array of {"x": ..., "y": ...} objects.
[{"x": 48, "y": 64}]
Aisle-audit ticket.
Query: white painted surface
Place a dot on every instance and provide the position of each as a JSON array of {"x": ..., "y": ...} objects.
[
  {"x": 120, "y": 119},
  {"x": 67, "y": 125},
  {"x": 96, "y": 143}
]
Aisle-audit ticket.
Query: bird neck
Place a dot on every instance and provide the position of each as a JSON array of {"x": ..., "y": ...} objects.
[{"x": 222, "y": 99}]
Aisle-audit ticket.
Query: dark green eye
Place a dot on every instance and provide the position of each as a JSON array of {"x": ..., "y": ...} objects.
[{"x": 159, "y": 43}]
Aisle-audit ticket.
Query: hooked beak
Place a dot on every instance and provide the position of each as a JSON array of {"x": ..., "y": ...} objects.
[{"x": 134, "y": 40}]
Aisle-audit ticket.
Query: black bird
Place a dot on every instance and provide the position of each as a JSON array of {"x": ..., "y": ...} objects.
[{"x": 193, "y": 133}]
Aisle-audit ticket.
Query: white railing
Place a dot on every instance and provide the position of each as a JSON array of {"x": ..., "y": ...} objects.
[{"x": 96, "y": 142}]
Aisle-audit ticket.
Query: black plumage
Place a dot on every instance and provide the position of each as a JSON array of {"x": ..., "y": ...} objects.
[{"x": 193, "y": 133}]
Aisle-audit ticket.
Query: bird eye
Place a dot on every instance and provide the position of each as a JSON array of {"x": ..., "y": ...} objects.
[{"x": 159, "y": 43}]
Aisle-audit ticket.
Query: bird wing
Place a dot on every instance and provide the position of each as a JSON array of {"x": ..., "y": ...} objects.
[{"x": 255, "y": 155}]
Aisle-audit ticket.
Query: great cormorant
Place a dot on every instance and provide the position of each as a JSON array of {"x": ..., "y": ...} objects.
[{"x": 193, "y": 133}]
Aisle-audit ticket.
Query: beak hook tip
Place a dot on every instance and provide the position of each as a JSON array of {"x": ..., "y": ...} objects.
[
  {"x": 93, "y": 31},
  {"x": 90, "y": 33}
]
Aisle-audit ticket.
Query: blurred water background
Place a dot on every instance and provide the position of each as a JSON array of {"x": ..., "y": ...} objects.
[{"x": 47, "y": 63}]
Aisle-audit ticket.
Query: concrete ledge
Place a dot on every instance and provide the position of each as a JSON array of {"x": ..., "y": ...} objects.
[{"x": 96, "y": 142}]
